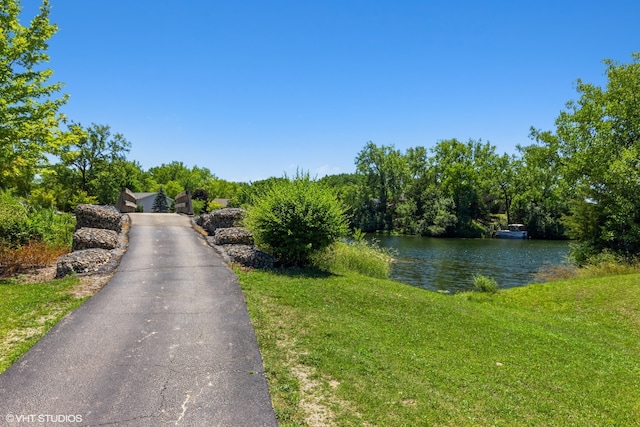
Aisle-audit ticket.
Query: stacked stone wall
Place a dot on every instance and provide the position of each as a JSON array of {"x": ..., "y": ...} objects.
[
  {"x": 98, "y": 242},
  {"x": 231, "y": 240}
]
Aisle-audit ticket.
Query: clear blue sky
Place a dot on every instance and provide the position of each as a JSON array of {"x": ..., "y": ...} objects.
[{"x": 254, "y": 89}]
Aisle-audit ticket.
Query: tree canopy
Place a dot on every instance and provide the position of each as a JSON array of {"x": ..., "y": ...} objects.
[
  {"x": 597, "y": 139},
  {"x": 28, "y": 105}
]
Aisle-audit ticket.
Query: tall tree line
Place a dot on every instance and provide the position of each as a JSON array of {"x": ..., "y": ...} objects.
[
  {"x": 579, "y": 180},
  {"x": 454, "y": 188}
]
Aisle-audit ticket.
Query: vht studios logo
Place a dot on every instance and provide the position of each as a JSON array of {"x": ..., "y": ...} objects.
[{"x": 43, "y": 418}]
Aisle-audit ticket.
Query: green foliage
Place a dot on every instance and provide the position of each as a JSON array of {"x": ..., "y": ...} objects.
[
  {"x": 95, "y": 162},
  {"x": 458, "y": 174},
  {"x": 200, "y": 194},
  {"x": 485, "y": 284},
  {"x": 42, "y": 198},
  {"x": 29, "y": 109},
  {"x": 445, "y": 194},
  {"x": 357, "y": 255},
  {"x": 597, "y": 140},
  {"x": 607, "y": 263},
  {"x": 294, "y": 218},
  {"x": 171, "y": 189},
  {"x": 177, "y": 177},
  {"x": 80, "y": 198},
  {"x": 14, "y": 221},
  {"x": 438, "y": 213},
  {"x": 21, "y": 223},
  {"x": 213, "y": 205},
  {"x": 385, "y": 175},
  {"x": 160, "y": 204},
  {"x": 249, "y": 194},
  {"x": 198, "y": 206}
]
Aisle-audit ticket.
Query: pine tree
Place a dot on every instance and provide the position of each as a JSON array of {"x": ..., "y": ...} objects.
[{"x": 160, "y": 202}]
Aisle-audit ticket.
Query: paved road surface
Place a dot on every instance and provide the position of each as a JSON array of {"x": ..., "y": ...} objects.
[{"x": 167, "y": 341}]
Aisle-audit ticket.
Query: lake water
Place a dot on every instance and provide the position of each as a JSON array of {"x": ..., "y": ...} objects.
[{"x": 442, "y": 264}]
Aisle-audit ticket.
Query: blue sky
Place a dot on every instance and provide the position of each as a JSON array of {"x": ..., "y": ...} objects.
[{"x": 254, "y": 89}]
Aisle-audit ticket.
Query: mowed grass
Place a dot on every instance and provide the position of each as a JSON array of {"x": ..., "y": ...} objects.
[
  {"x": 349, "y": 350},
  {"x": 28, "y": 311}
]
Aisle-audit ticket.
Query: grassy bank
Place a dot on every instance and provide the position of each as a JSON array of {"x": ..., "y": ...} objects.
[
  {"x": 28, "y": 311},
  {"x": 351, "y": 350}
]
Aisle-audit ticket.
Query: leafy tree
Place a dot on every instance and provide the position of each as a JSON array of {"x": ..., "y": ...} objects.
[
  {"x": 504, "y": 178},
  {"x": 29, "y": 110},
  {"x": 295, "y": 218},
  {"x": 405, "y": 217},
  {"x": 185, "y": 178},
  {"x": 418, "y": 162},
  {"x": 249, "y": 193},
  {"x": 221, "y": 189},
  {"x": 60, "y": 182},
  {"x": 462, "y": 172},
  {"x": 130, "y": 174},
  {"x": 91, "y": 151},
  {"x": 540, "y": 201},
  {"x": 172, "y": 188},
  {"x": 438, "y": 213},
  {"x": 346, "y": 188},
  {"x": 96, "y": 164},
  {"x": 386, "y": 174},
  {"x": 160, "y": 204},
  {"x": 598, "y": 139},
  {"x": 200, "y": 194}
]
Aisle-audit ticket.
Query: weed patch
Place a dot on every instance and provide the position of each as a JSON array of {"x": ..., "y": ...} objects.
[{"x": 28, "y": 257}]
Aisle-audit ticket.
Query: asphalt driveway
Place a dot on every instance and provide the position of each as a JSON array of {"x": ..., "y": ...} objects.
[{"x": 167, "y": 341}]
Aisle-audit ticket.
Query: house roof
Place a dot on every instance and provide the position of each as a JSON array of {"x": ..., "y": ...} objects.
[
  {"x": 222, "y": 202},
  {"x": 142, "y": 196}
]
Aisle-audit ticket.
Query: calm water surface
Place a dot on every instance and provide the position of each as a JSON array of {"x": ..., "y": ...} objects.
[{"x": 441, "y": 264}]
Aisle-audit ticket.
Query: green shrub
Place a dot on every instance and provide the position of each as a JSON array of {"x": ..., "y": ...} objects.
[
  {"x": 54, "y": 228},
  {"x": 485, "y": 284},
  {"x": 213, "y": 205},
  {"x": 608, "y": 263},
  {"x": 42, "y": 198},
  {"x": 14, "y": 221},
  {"x": 21, "y": 223},
  {"x": 198, "y": 206},
  {"x": 295, "y": 218},
  {"x": 80, "y": 198}
]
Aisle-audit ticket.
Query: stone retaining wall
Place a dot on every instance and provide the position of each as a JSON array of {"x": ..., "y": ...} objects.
[
  {"x": 98, "y": 242},
  {"x": 94, "y": 216},
  {"x": 233, "y": 243}
]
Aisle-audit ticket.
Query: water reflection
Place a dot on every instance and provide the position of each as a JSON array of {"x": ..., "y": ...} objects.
[{"x": 450, "y": 264}]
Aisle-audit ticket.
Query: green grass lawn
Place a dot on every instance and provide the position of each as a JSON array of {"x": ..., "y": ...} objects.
[
  {"x": 351, "y": 350},
  {"x": 28, "y": 311}
]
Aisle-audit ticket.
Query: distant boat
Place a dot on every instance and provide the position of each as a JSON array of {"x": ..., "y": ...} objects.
[{"x": 513, "y": 231}]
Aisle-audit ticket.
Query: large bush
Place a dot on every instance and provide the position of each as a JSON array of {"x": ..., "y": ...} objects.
[
  {"x": 14, "y": 221},
  {"x": 294, "y": 218},
  {"x": 21, "y": 223}
]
